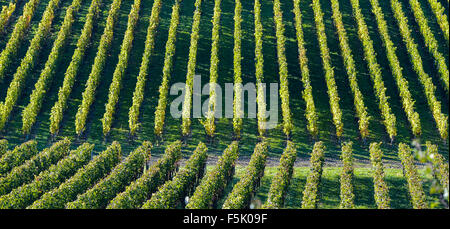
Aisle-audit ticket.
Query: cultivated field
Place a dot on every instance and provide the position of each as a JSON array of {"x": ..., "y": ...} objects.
[{"x": 85, "y": 103}]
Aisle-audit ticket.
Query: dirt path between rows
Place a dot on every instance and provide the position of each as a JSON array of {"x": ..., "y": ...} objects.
[{"x": 302, "y": 162}]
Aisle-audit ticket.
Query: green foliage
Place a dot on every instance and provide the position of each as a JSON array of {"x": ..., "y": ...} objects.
[
  {"x": 40, "y": 89},
  {"x": 160, "y": 111},
  {"x": 328, "y": 69},
  {"x": 347, "y": 196},
  {"x": 138, "y": 95},
  {"x": 172, "y": 192},
  {"x": 97, "y": 68},
  {"x": 237, "y": 58},
  {"x": 141, "y": 189},
  {"x": 49, "y": 179},
  {"x": 242, "y": 192},
  {"x": 116, "y": 84},
  {"x": 17, "y": 157},
  {"x": 349, "y": 62},
  {"x": 57, "y": 111},
  {"x": 439, "y": 165},
  {"x": 310, "y": 113},
  {"x": 310, "y": 193},
  {"x": 5, "y": 15},
  {"x": 382, "y": 198},
  {"x": 116, "y": 182},
  {"x": 27, "y": 63},
  {"x": 396, "y": 69},
  {"x": 85, "y": 178},
  {"x": 186, "y": 116},
  {"x": 209, "y": 123},
  {"x": 26, "y": 172},
  {"x": 259, "y": 66},
  {"x": 280, "y": 183},
  {"x": 17, "y": 36},
  {"x": 283, "y": 70},
  {"x": 426, "y": 81},
  {"x": 438, "y": 170},
  {"x": 389, "y": 119},
  {"x": 415, "y": 188},
  {"x": 441, "y": 16},
  {"x": 215, "y": 181},
  {"x": 3, "y": 147},
  {"x": 430, "y": 41},
  {"x": 35, "y": 177}
]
